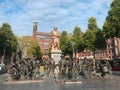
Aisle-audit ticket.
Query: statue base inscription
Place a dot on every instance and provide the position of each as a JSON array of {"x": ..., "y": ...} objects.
[{"x": 56, "y": 55}]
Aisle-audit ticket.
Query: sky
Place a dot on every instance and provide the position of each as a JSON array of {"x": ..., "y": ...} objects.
[{"x": 63, "y": 14}]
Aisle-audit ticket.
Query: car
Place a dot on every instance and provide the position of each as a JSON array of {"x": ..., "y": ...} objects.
[
  {"x": 115, "y": 64},
  {"x": 3, "y": 69}
]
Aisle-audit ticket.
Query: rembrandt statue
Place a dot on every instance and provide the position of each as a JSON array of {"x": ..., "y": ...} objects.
[
  {"x": 55, "y": 41},
  {"x": 56, "y": 52}
]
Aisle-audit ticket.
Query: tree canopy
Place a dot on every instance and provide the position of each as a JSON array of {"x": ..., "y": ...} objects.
[
  {"x": 111, "y": 27},
  {"x": 92, "y": 24},
  {"x": 89, "y": 39},
  {"x": 78, "y": 39},
  {"x": 90, "y": 34},
  {"x": 64, "y": 43},
  {"x": 93, "y": 37},
  {"x": 63, "y": 40},
  {"x": 32, "y": 46},
  {"x": 8, "y": 40},
  {"x": 67, "y": 40},
  {"x": 100, "y": 41}
]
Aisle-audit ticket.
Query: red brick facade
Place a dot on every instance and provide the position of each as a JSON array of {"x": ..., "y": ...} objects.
[
  {"x": 111, "y": 52},
  {"x": 45, "y": 39}
]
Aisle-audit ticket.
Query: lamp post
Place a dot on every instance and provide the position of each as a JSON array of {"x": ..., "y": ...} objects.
[
  {"x": 17, "y": 53},
  {"x": 19, "y": 47},
  {"x": 73, "y": 44},
  {"x": 25, "y": 50},
  {"x": 3, "y": 57}
]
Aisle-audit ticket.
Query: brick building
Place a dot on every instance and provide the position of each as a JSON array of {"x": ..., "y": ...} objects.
[
  {"x": 112, "y": 51},
  {"x": 45, "y": 39},
  {"x": 116, "y": 47}
]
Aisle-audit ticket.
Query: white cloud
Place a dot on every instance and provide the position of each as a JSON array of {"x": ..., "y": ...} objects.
[{"x": 65, "y": 14}]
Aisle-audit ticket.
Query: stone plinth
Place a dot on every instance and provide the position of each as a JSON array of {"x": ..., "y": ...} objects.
[{"x": 56, "y": 55}]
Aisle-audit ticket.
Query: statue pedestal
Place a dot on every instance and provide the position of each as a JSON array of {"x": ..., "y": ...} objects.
[{"x": 56, "y": 55}]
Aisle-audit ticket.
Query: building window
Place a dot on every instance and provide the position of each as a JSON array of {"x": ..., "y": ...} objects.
[
  {"x": 103, "y": 54},
  {"x": 109, "y": 56},
  {"x": 116, "y": 43},
  {"x": 40, "y": 43},
  {"x": 46, "y": 49},
  {"x": 41, "y": 37},
  {"x": 96, "y": 54},
  {"x": 109, "y": 51},
  {"x": 45, "y": 43},
  {"x": 117, "y": 50},
  {"x": 108, "y": 45}
]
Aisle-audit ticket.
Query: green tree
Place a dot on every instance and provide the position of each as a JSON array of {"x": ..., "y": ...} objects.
[
  {"x": 89, "y": 39},
  {"x": 111, "y": 27},
  {"x": 8, "y": 40},
  {"x": 38, "y": 52},
  {"x": 93, "y": 37},
  {"x": 90, "y": 34},
  {"x": 63, "y": 41},
  {"x": 92, "y": 24},
  {"x": 69, "y": 49},
  {"x": 32, "y": 45},
  {"x": 100, "y": 41},
  {"x": 78, "y": 39}
]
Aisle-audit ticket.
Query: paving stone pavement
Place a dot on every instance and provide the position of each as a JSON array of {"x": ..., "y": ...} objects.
[{"x": 50, "y": 84}]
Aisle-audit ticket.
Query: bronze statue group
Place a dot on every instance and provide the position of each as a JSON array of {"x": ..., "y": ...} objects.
[
  {"x": 73, "y": 69},
  {"x": 66, "y": 69}
]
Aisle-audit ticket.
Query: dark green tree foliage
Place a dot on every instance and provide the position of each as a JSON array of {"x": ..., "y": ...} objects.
[
  {"x": 93, "y": 37},
  {"x": 78, "y": 39},
  {"x": 34, "y": 48},
  {"x": 68, "y": 49},
  {"x": 90, "y": 34},
  {"x": 49, "y": 52},
  {"x": 100, "y": 41},
  {"x": 92, "y": 24},
  {"x": 63, "y": 41},
  {"x": 38, "y": 54},
  {"x": 111, "y": 27},
  {"x": 89, "y": 39},
  {"x": 7, "y": 39}
]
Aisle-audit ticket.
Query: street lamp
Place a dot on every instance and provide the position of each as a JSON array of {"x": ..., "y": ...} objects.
[
  {"x": 25, "y": 50},
  {"x": 3, "y": 57},
  {"x": 73, "y": 44},
  {"x": 17, "y": 53}
]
